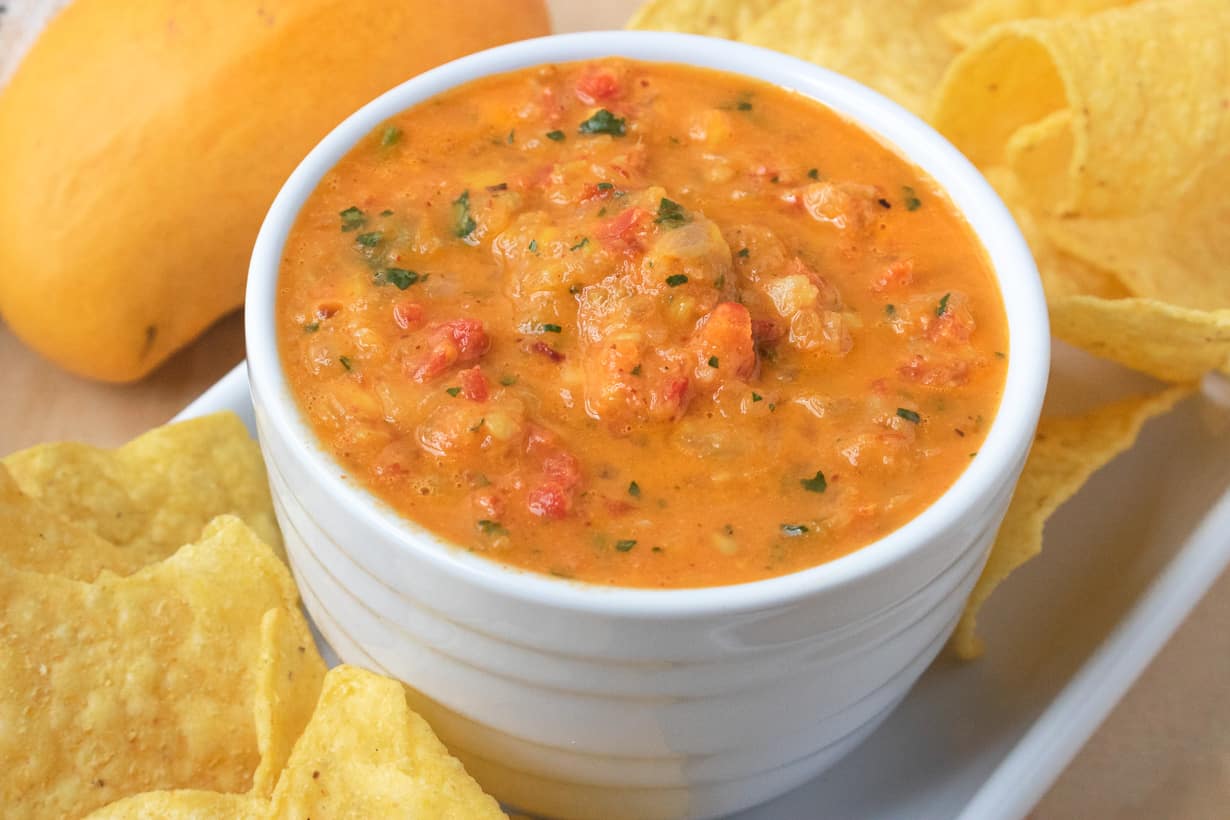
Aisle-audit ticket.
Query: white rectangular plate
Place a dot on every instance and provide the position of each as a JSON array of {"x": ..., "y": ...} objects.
[{"x": 1124, "y": 563}]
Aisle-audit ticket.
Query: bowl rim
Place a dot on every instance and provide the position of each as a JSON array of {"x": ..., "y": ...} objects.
[{"x": 999, "y": 459}]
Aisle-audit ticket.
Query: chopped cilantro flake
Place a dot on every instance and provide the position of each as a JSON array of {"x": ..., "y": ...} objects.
[
  {"x": 311, "y": 327},
  {"x": 453, "y": 391},
  {"x": 713, "y": 361},
  {"x": 555, "y": 136},
  {"x": 386, "y": 212},
  {"x": 490, "y": 527},
  {"x": 912, "y": 202},
  {"x": 509, "y": 379},
  {"x": 533, "y": 246},
  {"x": 677, "y": 279},
  {"x": 625, "y": 544},
  {"x": 757, "y": 397},
  {"x": 890, "y": 309},
  {"x": 477, "y": 425},
  {"x": 743, "y": 105},
  {"x": 744, "y": 253},
  {"x": 813, "y": 173},
  {"x": 942, "y": 307},
  {"x": 909, "y": 415},
  {"x": 670, "y": 214},
  {"x": 390, "y": 136},
  {"x": 345, "y": 362},
  {"x": 551, "y": 328},
  {"x": 463, "y": 222},
  {"x": 352, "y": 219},
  {"x": 605, "y": 186},
  {"x": 604, "y": 122},
  {"x": 636, "y": 371},
  {"x": 584, "y": 241},
  {"x": 634, "y": 490},
  {"x": 370, "y": 239},
  {"x": 815, "y": 484},
  {"x": 400, "y": 277}
]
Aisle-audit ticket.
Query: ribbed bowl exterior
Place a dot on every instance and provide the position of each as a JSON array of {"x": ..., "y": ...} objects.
[{"x": 715, "y": 714}]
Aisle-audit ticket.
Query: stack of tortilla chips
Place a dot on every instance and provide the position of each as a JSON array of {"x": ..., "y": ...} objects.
[
  {"x": 1105, "y": 127},
  {"x": 154, "y": 652}
]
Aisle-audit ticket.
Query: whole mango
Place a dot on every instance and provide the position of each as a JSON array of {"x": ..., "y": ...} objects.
[{"x": 142, "y": 142}]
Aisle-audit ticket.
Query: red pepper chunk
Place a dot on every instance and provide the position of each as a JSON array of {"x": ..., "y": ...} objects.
[
  {"x": 407, "y": 314},
  {"x": 597, "y": 86},
  {"x": 626, "y": 229},
  {"x": 474, "y": 385}
]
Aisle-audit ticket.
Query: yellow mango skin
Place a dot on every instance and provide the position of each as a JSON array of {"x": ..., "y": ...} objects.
[{"x": 142, "y": 142}]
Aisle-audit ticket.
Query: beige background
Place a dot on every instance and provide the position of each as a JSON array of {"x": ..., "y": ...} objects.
[{"x": 1163, "y": 753}]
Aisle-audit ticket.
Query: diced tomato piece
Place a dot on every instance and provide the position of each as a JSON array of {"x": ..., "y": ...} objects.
[
  {"x": 474, "y": 385},
  {"x": 563, "y": 468},
  {"x": 549, "y": 500},
  {"x": 626, "y": 228},
  {"x": 897, "y": 275},
  {"x": 592, "y": 191},
  {"x": 490, "y": 503},
  {"x": 935, "y": 374},
  {"x": 461, "y": 340},
  {"x": 407, "y": 314},
  {"x": 670, "y": 399},
  {"x": 597, "y": 86}
]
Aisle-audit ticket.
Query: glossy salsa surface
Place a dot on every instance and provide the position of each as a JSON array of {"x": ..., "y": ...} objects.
[{"x": 640, "y": 324}]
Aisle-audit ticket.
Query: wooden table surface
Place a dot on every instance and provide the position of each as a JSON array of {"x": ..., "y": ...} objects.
[{"x": 1163, "y": 753}]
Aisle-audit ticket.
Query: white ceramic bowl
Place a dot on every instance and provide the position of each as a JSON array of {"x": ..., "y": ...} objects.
[{"x": 576, "y": 700}]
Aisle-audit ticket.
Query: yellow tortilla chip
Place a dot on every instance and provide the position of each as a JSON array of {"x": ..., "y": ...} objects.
[
  {"x": 152, "y": 495},
  {"x": 365, "y": 754},
  {"x": 893, "y": 46},
  {"x": 288, "y": 685},
  {"x": 34, "y": 538},
  {"x": 716, "y": 18},
  {"x": 184, "y": 804},
  {"x": 1167, "y": 342},
  {"x": 965, "y": 24},
  {"x": 138, "y": 683},
  {"x": 1066, "y": 452},
  {"x": 1143, "y": 86}
]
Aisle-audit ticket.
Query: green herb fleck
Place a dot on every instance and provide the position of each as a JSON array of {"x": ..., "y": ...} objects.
[
  {"x": 815, "y": 484},
  {"x": 743, "y": 105},
  {"x": 713, "y": 361},
  {"x": 744, "y": 253},
  {"x": 636, "y": 371},
  {"x": 999, "y": 354},
  {"x": 720, "y": 282},
  {"x": 477, "y": 425},
  {"x": 772, "y": 407},
  {"x": 400, "y": 277},
  {"x": 942, "y": 307},
  {"x": 311, "y": 327},
  {"x": 795, "y": 530},
  {"x": 512, "y": 137},
  {"x": 386, "y": 212},
  {"x": 490, "y": 527},
  {"x": 890, "y": 309},
  {"x": 370, "y": 239},
  {"x": 912, "y": 202},
  {"x": 463, "y": 222},
  {"x": 813, "y": 173},
  {"x": 604, "y": 122},
  {"x": 757, "y": 397},
  {"x": 555, "y": 136},
  {"x": 670, "y": 214},
  {"x": 605, "y": 186},
  {"x": 584, "y": 241},
  {"x": 602, "y": 211},
  {"x": 352, "y": 219},
  {"x": 625, "y": 544},
  {"x": 390, "y": 136},
  {"x": 345, "y": 362},
  {"x": 634, "y": 490},
  {"x": 549, "y": 328},
  {"x": 509, "y": 379},
  {"x": 909, "y": 415},
  {"x": 453, "y": 391},
  {"x": 675, "y": 280},
  {"x": 533, "y": 246}
]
